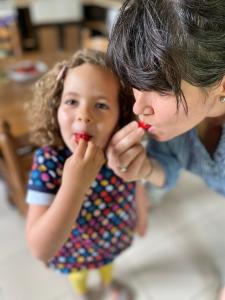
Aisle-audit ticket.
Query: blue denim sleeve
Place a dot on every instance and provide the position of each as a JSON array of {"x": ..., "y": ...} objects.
[{"x": 167, "y": 154}]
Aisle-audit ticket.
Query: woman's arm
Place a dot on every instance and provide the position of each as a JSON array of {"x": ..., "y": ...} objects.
[
  {"x": 48, "y": 227},
  {"x": 142, "y": 208}
]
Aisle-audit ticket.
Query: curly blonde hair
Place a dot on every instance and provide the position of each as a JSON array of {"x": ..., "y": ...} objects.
[{"x": 43, "y": 107}]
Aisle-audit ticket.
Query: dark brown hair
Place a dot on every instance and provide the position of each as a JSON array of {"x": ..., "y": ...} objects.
[{"x": 157, "y": 43}]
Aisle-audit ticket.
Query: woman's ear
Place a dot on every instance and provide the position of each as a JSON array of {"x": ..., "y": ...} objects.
[
  {"x": 222, "y": 90},
  {"x": 223, "y": 84}
]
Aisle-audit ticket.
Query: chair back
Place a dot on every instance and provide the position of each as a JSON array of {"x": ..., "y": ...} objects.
[
  {"x": 15, "y": 162},
  {"x": 97, "y": 42},
  {"x": 10, "y": 42}
]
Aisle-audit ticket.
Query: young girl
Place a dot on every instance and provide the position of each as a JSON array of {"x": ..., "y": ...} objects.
[{"x": 81, "y": 215}]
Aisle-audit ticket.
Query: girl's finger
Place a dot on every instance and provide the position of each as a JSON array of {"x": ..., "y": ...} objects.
[
  {"x": 91, "y": 150},
  {"x": 81, "y": 148}
]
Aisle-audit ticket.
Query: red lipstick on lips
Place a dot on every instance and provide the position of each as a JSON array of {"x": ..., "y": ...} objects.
[
  {"x": 82, "y": 135},
  {"x": 143, "y": 125}
]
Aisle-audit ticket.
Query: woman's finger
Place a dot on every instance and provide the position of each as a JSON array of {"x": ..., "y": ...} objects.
[
  {"x": 114, "y": 151},
  {"x": 127, "y": 157},
  {"x": 133, "y": 171},
  {"x": 129, "y": 140},
  {"x": 126, "y": 130}
]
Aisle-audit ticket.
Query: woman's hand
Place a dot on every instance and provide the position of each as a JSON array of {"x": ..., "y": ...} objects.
[
  {"x": 126, "y": 155},
  {"x": 83, "y": 166}
]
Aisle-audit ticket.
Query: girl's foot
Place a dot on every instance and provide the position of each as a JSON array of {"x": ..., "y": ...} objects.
[
  {"x": 117, "y": 291},
  {"x": 90, "y": 295},
  {"x": 82, "y": 297}
]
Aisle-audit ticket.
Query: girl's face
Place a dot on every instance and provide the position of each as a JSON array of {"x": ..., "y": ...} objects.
[
  {"x": 160, "y": 110},
  {"x": 89, "y": 105}
]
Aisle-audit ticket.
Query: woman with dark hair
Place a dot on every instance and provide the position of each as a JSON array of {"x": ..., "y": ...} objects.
[{"x": 173, "y": 55}]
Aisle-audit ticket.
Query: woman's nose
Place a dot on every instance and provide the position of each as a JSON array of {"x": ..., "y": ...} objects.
[{"x": 143, "y": 103}]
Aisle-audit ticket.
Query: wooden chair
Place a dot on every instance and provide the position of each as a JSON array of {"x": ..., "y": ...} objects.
[
  {"x": 15, "y": 162},
  {"x": 10, "y": 43},
  {"x": 97, "y": 42}
]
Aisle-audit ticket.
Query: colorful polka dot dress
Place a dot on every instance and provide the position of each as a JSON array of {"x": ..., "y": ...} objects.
[{"x": 105, "y": 225}]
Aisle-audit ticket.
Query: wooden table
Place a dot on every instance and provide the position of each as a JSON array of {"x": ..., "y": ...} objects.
[{"x": 13, "y": 96}]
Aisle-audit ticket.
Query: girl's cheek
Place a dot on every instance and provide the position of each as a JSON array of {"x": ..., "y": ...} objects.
[{"x": 62, "y": 117}]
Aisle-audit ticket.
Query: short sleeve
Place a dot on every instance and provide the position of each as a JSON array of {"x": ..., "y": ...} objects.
[{"x": 45, "y": 176}]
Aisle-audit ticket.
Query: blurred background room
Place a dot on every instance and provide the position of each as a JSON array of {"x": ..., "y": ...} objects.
[
  {"x": 33, "y": 36},
  {"x": 182, "y": 255}
]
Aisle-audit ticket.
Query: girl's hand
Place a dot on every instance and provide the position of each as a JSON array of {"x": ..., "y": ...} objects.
[
  {"x": 126, "y": 150},
  {"x": 82, "y": 166}
]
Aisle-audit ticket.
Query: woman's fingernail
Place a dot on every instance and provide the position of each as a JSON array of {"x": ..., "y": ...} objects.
[{"x": 141, "y": 130}]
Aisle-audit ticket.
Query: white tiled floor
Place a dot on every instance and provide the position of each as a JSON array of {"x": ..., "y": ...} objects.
[{"x": 181, "y": 258}]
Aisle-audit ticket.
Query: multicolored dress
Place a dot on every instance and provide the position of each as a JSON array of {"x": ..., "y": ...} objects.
[{"x": 106, "y": 222}]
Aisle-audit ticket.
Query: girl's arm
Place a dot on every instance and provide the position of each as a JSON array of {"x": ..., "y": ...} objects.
[{"x": 48, "y": 227}]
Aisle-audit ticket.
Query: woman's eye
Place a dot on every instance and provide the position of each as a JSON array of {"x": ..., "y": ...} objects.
[
  {"x": 71, "y": 102},
  {"x": 165, "y": 93},
  {"x": 102, "y": 106}
]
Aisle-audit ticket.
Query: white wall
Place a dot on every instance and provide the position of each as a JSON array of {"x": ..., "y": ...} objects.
[
  {"x": 55, "y": 11},
  {"x": 6, "y": 9}
]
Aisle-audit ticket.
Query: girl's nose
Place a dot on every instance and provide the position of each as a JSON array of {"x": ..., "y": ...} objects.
[
  {"x": 143, "y": 103},
  {"x": 84, "y": 115}
]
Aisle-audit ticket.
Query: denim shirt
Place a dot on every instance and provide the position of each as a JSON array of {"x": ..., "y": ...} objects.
[{"x": 187, "y": 152}]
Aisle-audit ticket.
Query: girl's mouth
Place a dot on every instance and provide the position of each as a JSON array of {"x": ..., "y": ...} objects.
[
  {"x": 144, "y": 125},
  {"x": 82, "y": 135}
]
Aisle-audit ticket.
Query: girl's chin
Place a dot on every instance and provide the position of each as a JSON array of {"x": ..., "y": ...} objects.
[{"x": 72, "y": 147}]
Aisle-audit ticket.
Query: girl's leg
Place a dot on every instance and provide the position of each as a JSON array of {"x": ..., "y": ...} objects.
[
  {"x": 79, "y": 281},
  {"x": 113, "y": 290},
  {"x": 106, "y": 273}
]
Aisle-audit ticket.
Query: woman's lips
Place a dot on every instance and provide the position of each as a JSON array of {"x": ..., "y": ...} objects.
[
  {"x": 82, "y": 135},
  {"x": 144, "y": 125},
  {"x": 151, "y": 129}
]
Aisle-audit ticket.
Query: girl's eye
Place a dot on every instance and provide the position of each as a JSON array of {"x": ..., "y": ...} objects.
[
  {"x": 71, "y": 102},
  {"x": 102, "y": 106}
]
